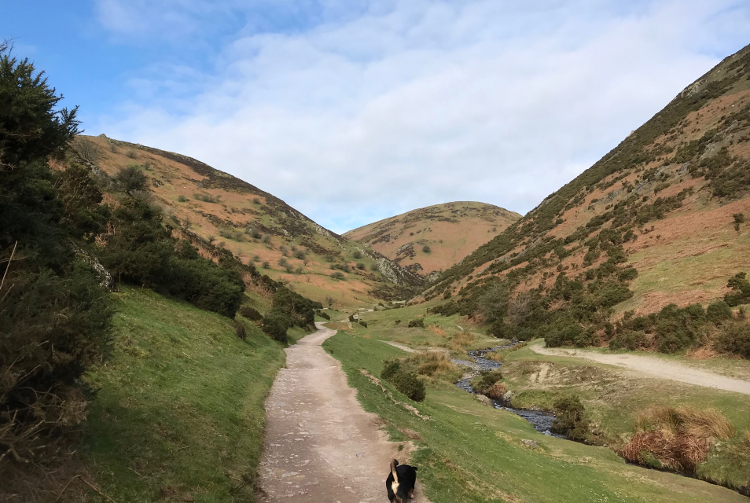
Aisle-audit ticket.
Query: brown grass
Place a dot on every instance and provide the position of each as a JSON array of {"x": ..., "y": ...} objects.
[
  {"x": 433, "y": 364},
  {"x": 436, "y": 330},
  {"x": 496, "y": 391},
  {"x": 675, "y": 438},
  {"x": 460, "y": 340}
]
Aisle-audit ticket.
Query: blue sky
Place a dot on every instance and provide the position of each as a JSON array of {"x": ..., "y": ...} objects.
[{"x": 357, "y": 110}]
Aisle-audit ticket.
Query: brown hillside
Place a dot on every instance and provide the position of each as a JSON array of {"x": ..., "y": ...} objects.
[
  {"x": 256, "y": 226},
  {"x": 450, "y": 230},
  {"x": 672, "y": 201}
]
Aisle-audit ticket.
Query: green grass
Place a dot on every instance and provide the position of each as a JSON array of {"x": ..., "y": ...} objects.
[
  {"x": 179, "y": 409},
  {"x": 473, "y": 453}
]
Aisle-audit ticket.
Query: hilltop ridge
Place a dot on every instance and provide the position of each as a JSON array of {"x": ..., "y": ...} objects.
[{"x": 450, "y": 231}]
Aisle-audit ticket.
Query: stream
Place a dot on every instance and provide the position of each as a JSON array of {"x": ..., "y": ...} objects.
[{"x": 542, "y": 421}]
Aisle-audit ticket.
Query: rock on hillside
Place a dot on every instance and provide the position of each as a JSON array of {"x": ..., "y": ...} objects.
[
  {"x": 662, "y": 218},
  {"x": 254, "y": 225},
  {"x": 451, "y": 231}
]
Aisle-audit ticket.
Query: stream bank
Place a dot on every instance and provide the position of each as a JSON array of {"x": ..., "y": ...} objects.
[{"x": 542, "y": 421}]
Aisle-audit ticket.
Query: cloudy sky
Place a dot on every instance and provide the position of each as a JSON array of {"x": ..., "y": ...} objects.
[{"x": 356, "y": 110}]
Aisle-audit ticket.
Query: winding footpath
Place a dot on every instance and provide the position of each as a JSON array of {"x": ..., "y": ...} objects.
[
  {"x": 654, "y": 367},
  {"x": 320, "y": 445}
]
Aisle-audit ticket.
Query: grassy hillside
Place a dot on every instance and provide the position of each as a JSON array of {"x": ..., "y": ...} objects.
[
  {"x": 179, "y": 411},
  {"x": 451, "y": 231},
  {"x": 469, "y": 452},
  {"x": 254, "y": 225},
  {"x": 659, "y": 220}
]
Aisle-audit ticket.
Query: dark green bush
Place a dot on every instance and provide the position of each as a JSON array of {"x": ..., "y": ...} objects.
[
  {"x": 275, "y": 326},
  {"x": 629, "y": 339},
  {"x": 409, "y": 384},
  {"x": 736, "y": 339},
  {"x": 485, "y": 380},
  {"x": 363, "y": 323},
  {"x": 239, "y": 329},
  {"x": 718, "y": 312},
  {"x": 323, "y": 315},
  {"x": 54, "y": 312},
  {"x": 131, "y": 179},
  {"x": 250, "y": 313},
  {"x": 570, "y": 418},
  {"x": 416, "y": 323},
  {"x": 740, "y": 293}
]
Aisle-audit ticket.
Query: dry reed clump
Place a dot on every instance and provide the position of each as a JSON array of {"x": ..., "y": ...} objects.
[
  {"x": 436, "y": 330},
  {"x": 433, "y": 364},
  {"x": 497, "y": 391},
  {"x": 460, "y": 340},
  {"x": 675, "y": 438}
]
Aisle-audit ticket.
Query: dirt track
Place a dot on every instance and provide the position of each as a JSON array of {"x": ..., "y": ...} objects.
[
  {"x": 320, "y": 445},
  {"x": 654, "y": 367}
]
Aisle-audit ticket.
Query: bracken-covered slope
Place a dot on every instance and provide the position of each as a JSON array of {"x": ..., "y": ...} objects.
[
  {"x": 450, "y": 232},
  {"x": 663, "y": 218},
  {"x": 254, "y": 225}
]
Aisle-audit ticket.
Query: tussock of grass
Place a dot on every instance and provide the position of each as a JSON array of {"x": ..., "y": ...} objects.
[
  {"x": 434, "y": 364},
  {"x": 460, "y": 341},
  {"x": 675, "y": 438}
]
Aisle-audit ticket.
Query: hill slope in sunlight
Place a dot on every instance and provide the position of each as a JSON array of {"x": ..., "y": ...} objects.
[
  {"x": 664, "y": 218},
  {"x": 450, "y": 232},
  {"x": 254, "y": 225}
]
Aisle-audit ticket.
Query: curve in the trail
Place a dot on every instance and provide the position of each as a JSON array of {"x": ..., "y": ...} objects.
[
  {"x": 320, "y": 445},
  {"x": 655, "y": 367}
]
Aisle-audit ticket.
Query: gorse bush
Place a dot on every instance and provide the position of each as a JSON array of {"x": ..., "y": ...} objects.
[
  {"x": 417, "y": 323},
  {"x": 54, "y": 315},
  {"x": 250, "y": 313},
  {"x": 485, "y": 380},
  {"x": 142, "y": 252},
  {"x": 405, "y": 380},
  {"x": 570, "y": 418}
]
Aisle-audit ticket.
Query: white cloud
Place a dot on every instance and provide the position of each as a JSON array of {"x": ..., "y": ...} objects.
[{"x": 370, "y": 111}]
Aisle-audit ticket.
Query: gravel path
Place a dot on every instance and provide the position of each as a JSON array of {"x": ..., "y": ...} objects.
[
  {"x": 320, "y": 445},
  {"x": 654, "y": 367}
]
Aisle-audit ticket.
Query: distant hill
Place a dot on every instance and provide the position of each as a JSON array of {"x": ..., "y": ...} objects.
[
  {"x": 256, "y": 226},
  {"x": 664, "y": 218},
  {"x": 451, "y": 231}
]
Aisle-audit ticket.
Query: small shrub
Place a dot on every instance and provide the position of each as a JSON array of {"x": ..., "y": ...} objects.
[
  {"x": 405, "y": 381},
  {"x": 485, "y": 380},
  {"x": 629, "y": 339},
  {"x": 239, "y": 329},
  {"x": 417, "y": 323},
  {"x": 397, "y": 322},
  {"x": 570, "y": 418},
  {"x": 266, "y": 264},
  {"x": 361, "y": 266},
  {"x": 718, "y": 312},
  {"x": 736, "y": 339},
  {"x": 357, "y": 255},
  {"x": 323, "y": 315},
  {"x": 250, "y": 313},
  {"x": 338, "y": 275},
  {"x": 426, "y": 249},
  {"x": 363, "y": 323},
  {"x": 181, "y": 198},
  {"x": 275, "y": 326}
]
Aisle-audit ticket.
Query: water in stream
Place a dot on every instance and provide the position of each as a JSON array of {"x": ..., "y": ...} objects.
[{"x": 542, "y": 421}]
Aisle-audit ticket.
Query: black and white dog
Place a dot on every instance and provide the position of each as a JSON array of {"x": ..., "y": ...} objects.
[{"x": 400, "y": 482}]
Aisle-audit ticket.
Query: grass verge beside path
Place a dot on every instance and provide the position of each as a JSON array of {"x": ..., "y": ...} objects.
[
  {"x": 179, "y": 413},
  {"x": 472, "y": 453}
]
